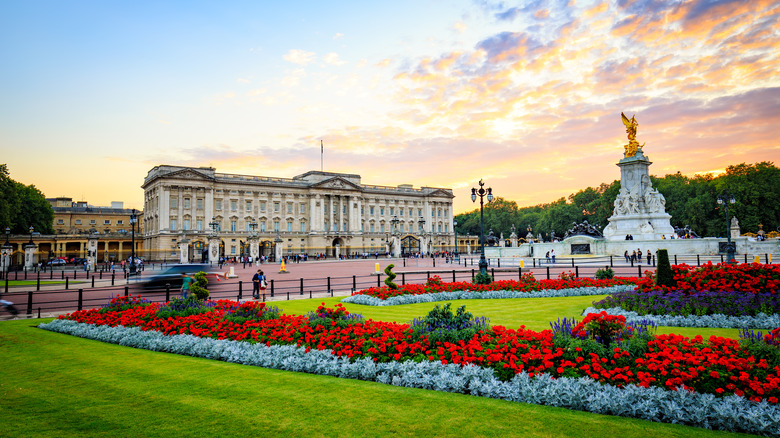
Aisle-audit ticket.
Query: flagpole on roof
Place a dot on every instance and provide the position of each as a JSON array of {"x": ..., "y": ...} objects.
[{"x": 322, "y": 154}]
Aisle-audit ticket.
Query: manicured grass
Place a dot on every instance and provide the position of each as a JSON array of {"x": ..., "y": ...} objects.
[
  {"x": 12, "y": 283},
  {"x": 534, "y": 313},
  {"x": 64, "y": 386}
]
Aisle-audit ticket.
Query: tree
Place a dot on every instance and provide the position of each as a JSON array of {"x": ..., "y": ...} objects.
[{"x": 23, "y": 206}]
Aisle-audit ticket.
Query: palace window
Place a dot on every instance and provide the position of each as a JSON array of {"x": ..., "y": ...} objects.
[
  {"x": 233, "y": 205},
  {"x": 175, "y": 202},
  {"x": 174, "y": 224},
  {"x": 218, "y": 204},
  {"x": 233, "y": 226},
  {"x": 186, "y": 202},
  {"x": 199, "y": 203}
]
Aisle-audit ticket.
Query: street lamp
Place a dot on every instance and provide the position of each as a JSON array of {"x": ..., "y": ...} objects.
[
  {"x": 133, "y": 220},
  {"x": 31, "y": 234},
  {"x": 214, "y": 225},
  {"x": 394, "y": 222},
  {"x": 725, "y": 199},
  {"x": 482, "y": 192}
]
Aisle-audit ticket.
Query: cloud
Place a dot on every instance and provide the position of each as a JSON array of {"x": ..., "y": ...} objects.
[
  {"x": 243, "y": 81},
  {"x": 333, "y": 59},
  {"x": 300, "y": 57},
  {"x": 460, "y": 27},
  {"x": 338, "y": 36}
]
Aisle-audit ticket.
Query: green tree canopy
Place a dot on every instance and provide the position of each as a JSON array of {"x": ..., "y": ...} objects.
[{"x": 23, "y": 206}]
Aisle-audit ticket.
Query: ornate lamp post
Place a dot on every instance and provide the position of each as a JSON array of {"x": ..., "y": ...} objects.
[
  {"x": 30, "y": 243},
  {"x": 725, "y": 199},
  {"x": 133, "y": 221},
  {"x": 482, "y": 192}
]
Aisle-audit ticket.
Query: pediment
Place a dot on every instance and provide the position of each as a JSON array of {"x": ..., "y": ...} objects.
[
  {"x": 336, "y": 183},
  {"x": 441, "y": 192},
  {"x": 190, "y": 174}
]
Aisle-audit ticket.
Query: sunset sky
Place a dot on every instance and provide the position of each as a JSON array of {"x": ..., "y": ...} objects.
[{"x": 526, "y": 95}]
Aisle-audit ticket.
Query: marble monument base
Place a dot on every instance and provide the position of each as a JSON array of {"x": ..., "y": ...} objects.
[{"x": 641, "y": 226}]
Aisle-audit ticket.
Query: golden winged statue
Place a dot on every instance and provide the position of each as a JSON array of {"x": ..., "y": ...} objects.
[{"x": 633, "y": 146}]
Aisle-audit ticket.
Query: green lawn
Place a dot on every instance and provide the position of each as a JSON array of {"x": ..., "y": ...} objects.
[
  {"x": 59, "y": 385},
  {"x": 534, "y": 313},
  {"x": 12, "y": 283}
]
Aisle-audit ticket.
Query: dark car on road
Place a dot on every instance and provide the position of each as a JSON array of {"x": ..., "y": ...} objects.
[{"x": 173, "y": 276}]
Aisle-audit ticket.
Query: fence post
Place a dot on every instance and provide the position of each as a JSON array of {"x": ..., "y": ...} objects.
[
  {"x": 328, "y": 284},
  {"x": 493, "y": 273},
  {"x": 548, "y": 272},
  {"x": 167, "y": 292},
  {"x": 127, "y": 291},
  {"x": 453, "y": 276},
  {"x": 272, "y": 288},
  {"x": 93, "y": 280},
  {"x": 241, "y": 289},
  {"x": 81, "y": 297},
  {"x": 288, "y": 295},
  {"x": 404, "y": 262},
  {"x": 745, "y": 257},
  {"x": 639, "y": 270},
  {"x": 576, "y": 272},
  {"x": 434, "y": 262},
  {"x": 533, "y": 260},
  {"x": 572, "y": 262},
  {"x": 29, "y": 302},
  {"x": 698, "y": 261},
  {"x": 610, "y": 262},
  {"x": 653, "y": 259},
  {"x": 403, "y": 278},
  {"x": 721, "y": 258},
  {"x": 519, "y": 274},
  {"x": 472, "y": 274},
  {"x": 377, "y": 279},
  {"x": 66, "y": 283},
  {"x": 112, "y": 278},
  {"x": 38, "y": 283},
  {"x": 766, "y": 258},
  {"x": 302, "y": 284},
  {"x": 499, "y": 262},
  {"x": 675, "y": 259},
  {"x": 427, "y": 275},
  {"x": 63, "y": 274},
  {"x": 354, "y": 283}
]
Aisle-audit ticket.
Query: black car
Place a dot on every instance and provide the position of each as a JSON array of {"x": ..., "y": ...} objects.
[{"x": 173, "y": 276}]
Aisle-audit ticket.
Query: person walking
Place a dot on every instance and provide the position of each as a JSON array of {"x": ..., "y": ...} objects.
[
  {"x": 258, "y": 283},
  {"x": 186, "y": 282},
  {"x": 649, "y": 257},
  {"x": 628, "y": 259},
  {"x": 547, "y": 256},
  {"x": 552, "y": 255}
]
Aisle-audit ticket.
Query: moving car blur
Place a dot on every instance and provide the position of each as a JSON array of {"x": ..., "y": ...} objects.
[{"x": 172, "y": 276}]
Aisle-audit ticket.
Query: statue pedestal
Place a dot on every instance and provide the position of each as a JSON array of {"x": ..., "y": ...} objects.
[{"x": 640, "y": 210}]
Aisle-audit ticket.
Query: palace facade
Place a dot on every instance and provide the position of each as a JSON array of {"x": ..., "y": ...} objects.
[{"x": 313, "y": 213}]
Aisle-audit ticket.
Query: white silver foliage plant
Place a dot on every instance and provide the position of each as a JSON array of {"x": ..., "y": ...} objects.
[
  {"x": 760, "y": 321},
  {"x": 731, "y": 413},
  {"x": 487, "y": 295}
]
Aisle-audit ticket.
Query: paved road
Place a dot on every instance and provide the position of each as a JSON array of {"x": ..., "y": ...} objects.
[{"x": 301, "y": 280}]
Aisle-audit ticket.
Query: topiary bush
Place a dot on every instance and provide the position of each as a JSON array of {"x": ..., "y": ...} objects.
[
  {"x": 481, "y": 278},
  {"x": 390, "y": 277},
  {"x": 198, "y": 288},
  {"x": 663, "y": 273},
  {"x": 605, "y": 274}
]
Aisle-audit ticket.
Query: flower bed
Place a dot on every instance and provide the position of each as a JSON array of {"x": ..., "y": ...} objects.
[
  {"x": 743, "y": 277},
  {"x": 527, "y": 284},
  {"x": 718, "y": 366},
  {"x": 695, "y": 303},
  {"x": 759, "y": 321}
]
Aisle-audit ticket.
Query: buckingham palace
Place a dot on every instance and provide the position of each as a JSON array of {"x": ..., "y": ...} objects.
[{"x": 197, "y": 214}]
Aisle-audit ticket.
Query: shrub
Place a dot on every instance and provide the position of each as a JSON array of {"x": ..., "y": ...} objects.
[
  {"x": 664, "y": 275},
  {"x": 120, "y": 303},
  {"x": 198, "y": 288},
  {"x": 434, "y": 280},
  {"x": 567, "y": 276},
  {"x": 481, "y": 278},
  {"x": 605, "y": 274},
  {"x": 441, "y": 325},
  {"x": 178, "y": 306},
  {"x": 390, "y": 277},
  {"x": 338, "y": 317},
  {"x": 251, "y": 310}
]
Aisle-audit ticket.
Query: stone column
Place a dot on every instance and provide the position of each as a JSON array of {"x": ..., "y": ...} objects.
[
  {"x": 92, "y": 248},
  {"x": 184, "y": 253},
  {"x": 29, "y": 256},
  {"x": 330, "y": 213},
  {"x": 213, "y": 249},
  {"x": 341, "y": 214},
  {"x": 313, "y": 227},
  {"x": 5, "y": 257},
  {"x": 105, "y": 251},
  {"x": 338, "y": 251},
  {"x": 396, "y": 246},
  {"x": 278, "y": 249},
  {"x": 254, "y": 247}
]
